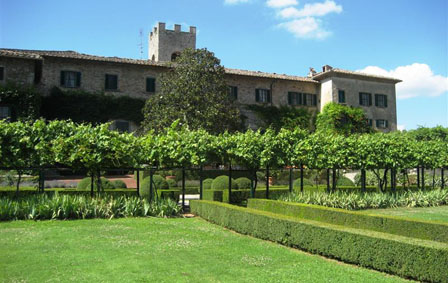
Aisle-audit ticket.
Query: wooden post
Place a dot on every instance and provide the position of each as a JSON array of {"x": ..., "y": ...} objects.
[
  {"x": 301, "y": 178},
  {"x": 200, "y": 182},
  {"x": 138, "y": 182},
  {"x": 267, "y": 182},
  {"x": 290, "y": 180}
]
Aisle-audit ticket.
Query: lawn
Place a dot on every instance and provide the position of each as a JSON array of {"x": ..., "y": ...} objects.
[
  {"x": 157, "y": 250},
  {"x": 436, "y": 213}
]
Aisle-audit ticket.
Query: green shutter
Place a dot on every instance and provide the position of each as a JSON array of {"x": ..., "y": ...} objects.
[
  {"x": 377, "y": 123},
  {"x": 290, "y": 98},
  {"x": 236, "y": 92},
  {"x": 78, "y": 79},
  {"x": 370, "y": 99},
  {"x": 385, "y": 101},
  {"x": 299, "y": 99},
  {"x": 376, "y": 100},
  {"x": 106, "y": 82},
  {"x": 314, "y": 100},
  {"x": 269, "y": 96},
  {"x": 360, "y": 98},
  {"x": 387, "y": 124},
  {"x": 62, "y": 78},
  {"x": 257, "y": 95}
]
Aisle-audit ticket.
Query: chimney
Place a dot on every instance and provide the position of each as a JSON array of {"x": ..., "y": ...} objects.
[
  {"x": 327, "y": 68},
  {"x": 312, "y": 72}
]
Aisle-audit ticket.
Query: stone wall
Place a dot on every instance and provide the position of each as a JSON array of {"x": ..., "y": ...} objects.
[
  {"x": 17, "y": 70},
  {"x": 163, "y": 42}
]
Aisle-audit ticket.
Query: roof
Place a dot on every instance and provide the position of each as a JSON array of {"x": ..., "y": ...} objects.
[
  {"x": 335, "y": 72},
  {"x": 40, "y": 54}
]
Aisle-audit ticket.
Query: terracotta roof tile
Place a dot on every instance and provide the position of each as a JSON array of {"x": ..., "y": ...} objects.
[{"x": 322, "y": 75}]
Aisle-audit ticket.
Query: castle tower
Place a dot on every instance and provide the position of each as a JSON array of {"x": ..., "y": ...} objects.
[{"x": 166, "y": 45}]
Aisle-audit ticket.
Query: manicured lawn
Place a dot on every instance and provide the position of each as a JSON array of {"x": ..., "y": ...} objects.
[
  {"x": 437, "y": 213},
  {"x": 157, "y": 250}
]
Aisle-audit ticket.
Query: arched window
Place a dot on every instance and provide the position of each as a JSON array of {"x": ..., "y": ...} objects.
[
  {"x": 174, "y": 56},
  {"x": 153, "y": 58}
]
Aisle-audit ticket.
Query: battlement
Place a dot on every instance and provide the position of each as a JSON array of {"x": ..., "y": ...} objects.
[{"x": 161, "y": 27}]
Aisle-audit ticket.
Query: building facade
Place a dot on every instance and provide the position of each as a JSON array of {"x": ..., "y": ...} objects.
[{"x": 70, "y": 70}]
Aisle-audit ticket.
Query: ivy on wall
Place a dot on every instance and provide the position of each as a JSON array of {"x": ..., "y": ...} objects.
[
  {"x": 283, "y": 117},
  {"x": 23, "y": 101},
  {"x": 82, "y": 106}
]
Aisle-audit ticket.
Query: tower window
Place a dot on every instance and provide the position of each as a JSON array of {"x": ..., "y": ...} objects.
[
  {"x": 111, "y": 82},
  {"x": 174, "y": 56}
]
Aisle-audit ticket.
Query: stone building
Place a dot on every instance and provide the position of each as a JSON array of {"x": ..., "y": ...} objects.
[{"x": 70, "y": 70}]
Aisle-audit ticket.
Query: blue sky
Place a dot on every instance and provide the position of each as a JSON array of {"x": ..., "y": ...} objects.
[{"x": 407, "y": 39}]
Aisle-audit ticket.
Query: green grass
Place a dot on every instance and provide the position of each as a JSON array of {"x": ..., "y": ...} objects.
[
  {"x": 436, "y": 213},
  {"x": 157, "y": 250}
]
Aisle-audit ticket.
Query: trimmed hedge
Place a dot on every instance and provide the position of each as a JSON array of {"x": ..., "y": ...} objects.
[
  {"x": 222, "y": 183},
  {"x": 420, "y": 229},
  {"x": 238, "y": 196},
  {"x": 344, "y": 181},
  {"x": 119, "y": 184},
  {"x": 418, "y": 259},
  {"x": 171, "y": 183},
  {"x": 243, "y": 183},
  {"x": 207, "y": 184},
  {"x": 85, "y": 184},
  {"x": 25, "y": 193}
]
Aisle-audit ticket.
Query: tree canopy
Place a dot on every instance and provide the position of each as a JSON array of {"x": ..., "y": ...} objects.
[
  {"x": 194, "y": 92},
  {"x": 341, "y": 119}
]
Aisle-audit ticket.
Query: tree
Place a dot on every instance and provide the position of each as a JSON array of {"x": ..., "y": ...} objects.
[
  {"x": 195, "y": 92},
  {"x": 340, "y": 119}
]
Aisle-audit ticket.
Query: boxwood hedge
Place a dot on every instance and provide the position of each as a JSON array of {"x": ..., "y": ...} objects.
[
  {"x": 427, "y": 230},
  {"x": 412, "y": 258}
]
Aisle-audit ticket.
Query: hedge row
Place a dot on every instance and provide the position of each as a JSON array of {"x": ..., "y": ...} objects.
[
  {"x": 411, "y": 258},
  {"x": 238, "y": 196},
  {"x": 426, "y": 230}
]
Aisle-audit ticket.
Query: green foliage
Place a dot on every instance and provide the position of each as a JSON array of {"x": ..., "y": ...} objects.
[
  {"x": 355, "y": 200},
  {"x": 118, "y": 184},
  {"x": 222, "y": 183},
  {"x": 85, "y": 183},
  {"x": 193, "y": 91},
  {"x": 385, "y": 252},
  {"x": 171, "y": 183},
  {"x": 426, "y": 230},
  {"x": 243, "y": 183},
  {"x": 240, "y": 196},
  {"x": 81, "y": 106},
  {"x": 207, "y": 184},
  {"x": 24, "y": 101},
  {"x": 283, "y": 117},
  {"x": 306, "y": 182},
  {"x": 42, "y": 207},
  {"x": 340, "y": 119},
  {"x": 344, "y": 181},
  {"x": 159, "y": 183}
]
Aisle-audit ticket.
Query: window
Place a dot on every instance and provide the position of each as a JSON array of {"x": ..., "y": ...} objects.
[
  {"x": 309, "y": 99},
  {"x": 380, "y": 100},
  {"x": 341, "y": 96},
  {"x": 5, "y": 112},
  {"x": 262, "y": 95},
  {"x": 294, "y": 98},
  {"x": 233, "y": 92},
  {"x": 365, "y": 99},
  {"x": 111, "y": 82},
  {"x": 70, "y": 79},
  {"x": 370, "y": 122},
  {"x": 150, "y": 84},
  {"x": 381, "y": 124},
  {"x": 2, "y": 73},
  {"x": 122, "y": 126},
  {"x": 174, "y": 56}
]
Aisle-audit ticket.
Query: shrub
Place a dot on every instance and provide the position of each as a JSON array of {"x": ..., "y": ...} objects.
[
  {"x": 243, "y": 183},
  {"x": 390, "y": 253},
  {"x": 426, "y": 230},
  {"x": 222, "y": 183},
  {"x": 344, "y": 181},
  {"x": 306, "y": 182},
  {"x": 159, "y": 183},
  {"x": 119, "y": 184},
  {"x": 171, "y": 183},
  {"x": 84, "y": 184},
  {"x": 207, "y": 184}
]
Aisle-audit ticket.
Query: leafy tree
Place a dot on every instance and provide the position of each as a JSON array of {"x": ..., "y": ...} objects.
[
  {"x": 194, "y": 91},
  {"x": 25, "y": 101},
  {"x": 340, "y": 119}
]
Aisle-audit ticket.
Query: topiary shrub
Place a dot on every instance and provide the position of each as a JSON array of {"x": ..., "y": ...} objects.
[
  {"x": 207, "y": 184},
  {"x": 344, "y": 181},
  {"x": 222, "y": 183},
  {"x": 159, "y": 183},
  {"x": 119, "y": 184},
  {"x": 306, "y": 182},
  {"x": 243, "y": 183},
  {"x": 84, "y": 184},
  {"x": 171, "y": 183}
]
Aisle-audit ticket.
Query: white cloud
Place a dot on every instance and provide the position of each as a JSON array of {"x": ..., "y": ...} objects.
[
  {"x": 311, "y": 10},
  {"x": 308, "y": 27},
  {"x": 418, "y": 80},
  {"x": 235, "y": 2},
  {"x": 281, "y": 3},
  {"x": 401, "y": 127}
]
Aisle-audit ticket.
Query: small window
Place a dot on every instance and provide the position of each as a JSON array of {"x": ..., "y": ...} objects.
[
  {"x": 341, "y": 96},
  {"x": 5, "y": 112},
  {"x": 382, "y": 124},
  {"x": 370, "y": 122},
  {"x": 294, "y": 98},
  {"x": 122, "y": 126},
  {"x": 365, "y": 99},
  {"x": 233, "y": 92},
  {"x": 70, "y": 79},
  {"x": 174, "y": 56},
  {"x": 309, "y": 99},
  {"x": 2, "y": 73},
  {"x": 262, "y": 95},
  {"x": 150, "y": 84},
  {"x": 380, "y": 100},
  {"x": 111, "y": 82}
]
